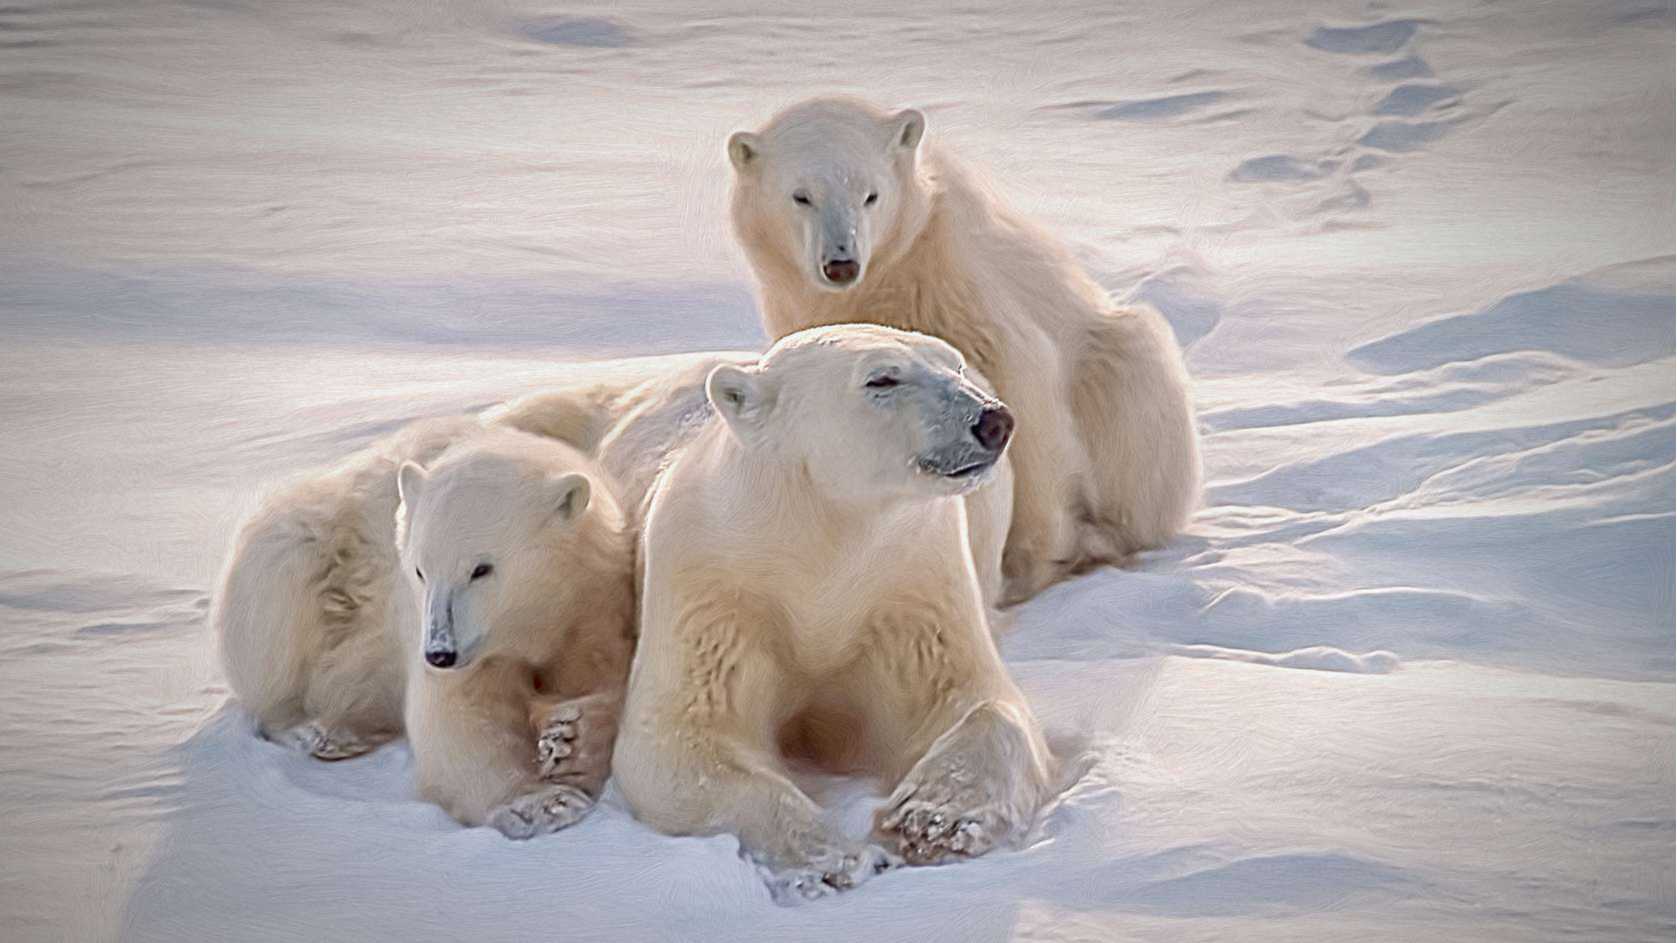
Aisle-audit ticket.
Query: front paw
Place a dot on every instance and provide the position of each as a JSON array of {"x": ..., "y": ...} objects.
[
  {"x": 546, "y": 810},
  {"x": 826, "y": 869},
  {"x": 951, "y": 815},
  {"x": 557, "y": 752}
]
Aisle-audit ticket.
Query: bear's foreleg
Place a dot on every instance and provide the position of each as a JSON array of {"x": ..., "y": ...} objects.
[
  {"x": 697, "y": 756},
  {"x": 574, "y": 738},
  {"x": 475, "y": 755},
  {"x": 1048, "y": 465},
  {"x": 979, "y": 785}
]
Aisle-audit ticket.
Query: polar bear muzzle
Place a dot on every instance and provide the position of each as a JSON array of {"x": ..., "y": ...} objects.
[
  {"x": 441, "y": 648},
  {"x": 970, "y": 459},
  {"x": 840, "y": 271},
  {"x": 994, "y": 427}
]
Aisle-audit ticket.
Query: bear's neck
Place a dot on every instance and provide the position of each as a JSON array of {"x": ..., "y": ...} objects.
[
  {"x": 586, "y": 599},
  {"x": 816, "y": 533}
]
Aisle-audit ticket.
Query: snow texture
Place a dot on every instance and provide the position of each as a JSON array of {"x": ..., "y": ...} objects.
[{"x": 1420, "y": 256}]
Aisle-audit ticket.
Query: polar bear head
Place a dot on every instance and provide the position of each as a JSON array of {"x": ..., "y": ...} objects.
[
  {"x": 865, "y": 412},
  {"x": 828, "y": 186},
  {"x": 485, "y": 534}
]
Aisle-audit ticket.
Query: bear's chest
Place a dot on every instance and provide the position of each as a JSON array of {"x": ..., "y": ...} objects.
[{"x": 822, "y": 636}]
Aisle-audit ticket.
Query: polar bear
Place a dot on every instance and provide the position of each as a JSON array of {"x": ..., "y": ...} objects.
[
  {"x": 483, "y": 604},
  {"x": 628, "y": 414},
  {"x": 632, "y": 414},
  {"x": 847, "y": 216},
  {"x": 808, "y": 595}
]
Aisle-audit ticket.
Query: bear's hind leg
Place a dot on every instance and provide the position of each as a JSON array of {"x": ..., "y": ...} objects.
[
  {"x": 326, "y": 743},
  {"x": 353, "y": 703},
  {"x": 1130, "y": 395}
]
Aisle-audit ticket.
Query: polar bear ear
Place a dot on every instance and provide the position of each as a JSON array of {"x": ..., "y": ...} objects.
[
  {"x": 737, "y": 394},
  {"x": 568, "y": 495},
  {"x": 907, "y": 128},
  {"x": 744, "y": 148},
  {"x": 409, "y": 479}
]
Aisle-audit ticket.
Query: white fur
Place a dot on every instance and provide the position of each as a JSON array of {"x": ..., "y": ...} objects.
[
  {"x": 1107, "y": 457},
  {"x": 808, "y": 590},
  {"x": 322, "y": 620},
  {"x": 633, "y": 414}
]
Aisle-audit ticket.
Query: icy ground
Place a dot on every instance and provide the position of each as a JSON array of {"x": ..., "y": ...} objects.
[{"x": 1409, "y": 675}]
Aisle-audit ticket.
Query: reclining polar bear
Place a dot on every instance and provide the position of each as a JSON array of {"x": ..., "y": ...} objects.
[
  {"x": 484, "y": 605},
  {"x": 809, "y": 594},
  {"x": 631, "y": 415}
]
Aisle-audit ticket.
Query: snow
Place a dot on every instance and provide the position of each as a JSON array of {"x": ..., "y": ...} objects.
[{"x": 1409, "y": 673}]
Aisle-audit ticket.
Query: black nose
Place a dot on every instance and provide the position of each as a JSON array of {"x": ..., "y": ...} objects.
[
  {"x": 841, "y": 271},
  {"x": 441, "y": 659},
  {"x": 993, "y": 427}
]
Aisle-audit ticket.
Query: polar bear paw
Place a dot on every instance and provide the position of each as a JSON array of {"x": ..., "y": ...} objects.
[
  {"x": 540, "y": 812},
  {"x": 829, "y": 870},
  {"x": 947, "y": 818},
  {"x": 324, "y": 744},
  {"x": 556, "y": 747}
]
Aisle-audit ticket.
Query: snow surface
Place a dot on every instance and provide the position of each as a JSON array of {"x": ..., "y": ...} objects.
[{"x": 1420, "y": 254}]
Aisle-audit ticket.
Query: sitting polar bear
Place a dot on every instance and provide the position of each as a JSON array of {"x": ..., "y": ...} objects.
[
  {"x": 846, "y": 216},
  {"x": 808, "y": 594},
  {"x": 485, "y": 606},
  {"x": 632, "y": 414}
]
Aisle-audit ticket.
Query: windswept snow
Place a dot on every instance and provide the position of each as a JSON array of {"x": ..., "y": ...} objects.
[
  {"x": 1316, "y": 657},
  {"x": 1408, "y": 675}
]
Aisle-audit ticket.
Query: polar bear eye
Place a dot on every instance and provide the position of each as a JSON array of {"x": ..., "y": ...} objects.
[
  {"x": 801, "y": 198},
  {"x": 482, "y": 570},
  {"x": 882, "y": 382},
  {"x": 419, "y": 574},
  {"x": 871, "y": 200}
]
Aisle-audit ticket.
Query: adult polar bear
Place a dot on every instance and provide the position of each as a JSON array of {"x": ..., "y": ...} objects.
[
  {"x": 483, "y": 603},
  {"x": 808, "y": 591},
  {"x": 846, "y": 216},
  {"x": 631, "y": 414}
]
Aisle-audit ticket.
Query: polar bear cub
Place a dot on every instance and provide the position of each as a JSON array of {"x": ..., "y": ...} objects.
[
  {"x": 483, "y": 604},
  {"x": 848, "y": 213},
  {"x": 808, "y": 595}
]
